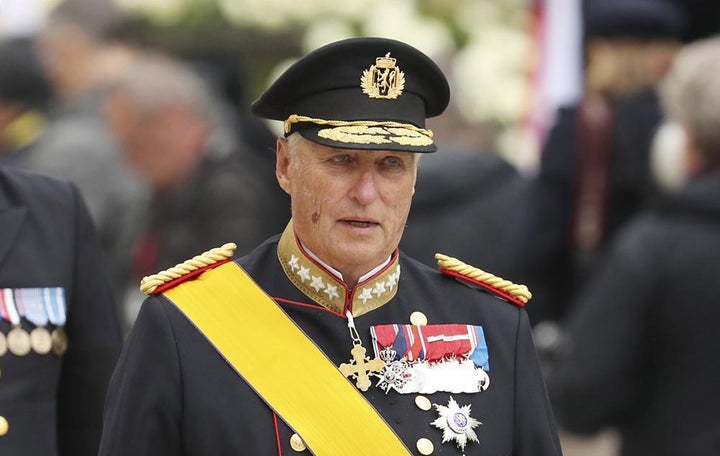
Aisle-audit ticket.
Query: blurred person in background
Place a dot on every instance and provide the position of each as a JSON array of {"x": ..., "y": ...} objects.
[
  {"x": 80, "y": 61},
  {"x": 227, "y": 77},
  {"x": 594, "y": 173},
  {"x": 466, "y": 200},
  {"x": 467, "y": 203},
  {"x": 59, "y": 332},
  {"x": 174, "y": 136},
  {"x": 641, "y": 344},
  {"x": 24, "y": 97}
]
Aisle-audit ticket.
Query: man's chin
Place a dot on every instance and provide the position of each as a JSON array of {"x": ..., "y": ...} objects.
[{"x": 363, "y": 258}]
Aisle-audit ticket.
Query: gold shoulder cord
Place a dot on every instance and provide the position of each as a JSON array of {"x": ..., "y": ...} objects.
[
  {"x": 149, "y": 283},
  {"x": 521, "y": 292}
]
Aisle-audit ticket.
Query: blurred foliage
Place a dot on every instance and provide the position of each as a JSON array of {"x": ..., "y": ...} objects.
[
  {"x": 243, "y": 56},
  {"x": 482, "y": 45},
  {"x": 258, "y": 34}
]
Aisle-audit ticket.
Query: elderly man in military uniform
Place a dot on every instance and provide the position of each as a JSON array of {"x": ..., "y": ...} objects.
[{"x": 326, "y": 339}]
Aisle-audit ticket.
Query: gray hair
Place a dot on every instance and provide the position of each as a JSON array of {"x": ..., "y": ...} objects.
[
  {"x": 156, "y": 81},
  {"x": 293, "y": 141},
  {"x": 690, "y": 94}
]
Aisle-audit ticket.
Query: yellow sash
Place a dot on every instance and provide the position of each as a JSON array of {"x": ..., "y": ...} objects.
[{"x": 278, "y": 360}]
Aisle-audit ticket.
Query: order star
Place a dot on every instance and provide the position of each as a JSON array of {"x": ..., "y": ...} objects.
[{"x": 456, "y": 423}]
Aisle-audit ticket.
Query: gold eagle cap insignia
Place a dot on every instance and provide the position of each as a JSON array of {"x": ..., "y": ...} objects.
[{"x": 384, "y": 79}]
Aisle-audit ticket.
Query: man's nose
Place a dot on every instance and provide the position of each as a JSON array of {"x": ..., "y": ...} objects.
[{"x": 364, "y": 189}]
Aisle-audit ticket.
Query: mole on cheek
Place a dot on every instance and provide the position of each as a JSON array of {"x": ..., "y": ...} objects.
[{"x": 315, "y": 217}]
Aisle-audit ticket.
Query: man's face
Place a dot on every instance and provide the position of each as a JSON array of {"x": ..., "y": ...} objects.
[
  {"x": 164, "y": 147},
  {"x": 349, "y": 207}
]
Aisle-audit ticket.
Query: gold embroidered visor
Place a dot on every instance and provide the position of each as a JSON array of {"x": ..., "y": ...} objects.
[{"x": 361, "y": 132}]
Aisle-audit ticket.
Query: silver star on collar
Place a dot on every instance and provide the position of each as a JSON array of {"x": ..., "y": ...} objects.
[{"x": 456, "y": 423}]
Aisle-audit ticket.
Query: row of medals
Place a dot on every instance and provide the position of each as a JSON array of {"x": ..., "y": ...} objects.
[{"x": 40, "y": 340}]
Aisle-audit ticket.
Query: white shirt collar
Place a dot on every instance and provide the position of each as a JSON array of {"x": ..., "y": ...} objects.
[{"x": 338, "y": 274}]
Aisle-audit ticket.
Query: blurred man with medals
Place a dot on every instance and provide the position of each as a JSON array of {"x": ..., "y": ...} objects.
[
  {"x": 59, "y": 334},
  {"x": 326, "y": 339}
]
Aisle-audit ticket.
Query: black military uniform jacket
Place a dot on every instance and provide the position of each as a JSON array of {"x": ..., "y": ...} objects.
[
  {"x": 52, "y": 404},
  {"x": 172, "y": 393}
]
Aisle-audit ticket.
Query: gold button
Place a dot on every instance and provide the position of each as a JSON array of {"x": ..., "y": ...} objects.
[
  {"x": 418, "y": 319},
  {"x": 425, "y": 446},
  {"x": 296, "y": 443},
  {"x": 4, "y": 426},
  {"x": 423, "y": 403}
]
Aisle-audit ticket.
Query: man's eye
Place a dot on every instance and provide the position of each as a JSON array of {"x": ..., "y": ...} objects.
[
  {"x": 341, "y": 158},
  {"x": 392, "y": 162}
]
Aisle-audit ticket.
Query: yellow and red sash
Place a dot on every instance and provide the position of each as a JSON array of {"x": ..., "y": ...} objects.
[{"x": 291, "y": 374}]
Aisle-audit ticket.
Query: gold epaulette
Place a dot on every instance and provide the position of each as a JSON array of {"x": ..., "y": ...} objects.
[
  {"x": 154, "y": 284},
  {"x": 518, "y": 294}
]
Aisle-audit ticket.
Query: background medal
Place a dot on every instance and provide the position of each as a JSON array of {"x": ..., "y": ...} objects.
[
  {"x": 59, "y": 341},
  {"x": 18, "y": 341},
  {"x": 3, "y": 344},
  {"x": 40, "y": 340}
]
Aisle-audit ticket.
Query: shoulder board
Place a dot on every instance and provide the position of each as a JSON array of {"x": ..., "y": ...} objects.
[
  {"x": 164, "y": 280},
  {"x": 517, "y": 294}
]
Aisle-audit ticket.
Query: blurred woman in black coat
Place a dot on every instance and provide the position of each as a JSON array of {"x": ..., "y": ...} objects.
[{"x": 594, "y": 173}]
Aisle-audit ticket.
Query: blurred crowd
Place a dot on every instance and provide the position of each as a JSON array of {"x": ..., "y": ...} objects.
[
  {"x": 616, "y": 234},
  {"x": 153, "y": 145}
]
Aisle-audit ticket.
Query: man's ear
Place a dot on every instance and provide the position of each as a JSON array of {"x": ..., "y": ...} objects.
[{"x": 282, "y": 164}]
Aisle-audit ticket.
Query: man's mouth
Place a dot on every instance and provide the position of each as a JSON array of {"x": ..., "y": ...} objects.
[{"x": 360, "y": 223}]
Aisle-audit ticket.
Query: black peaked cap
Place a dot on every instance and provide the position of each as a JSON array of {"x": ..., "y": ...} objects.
[
  {"x": 22, "y": 79},
  {"x": 340, "y": 92},
  {"x": 655, "y": 19}
]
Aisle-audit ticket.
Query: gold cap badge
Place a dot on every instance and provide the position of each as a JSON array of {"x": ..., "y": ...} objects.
[{"x": 384, "y": 79}]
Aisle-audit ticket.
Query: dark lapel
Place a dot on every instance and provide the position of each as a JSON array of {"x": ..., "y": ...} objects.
[{"x": 11, "y": 219}]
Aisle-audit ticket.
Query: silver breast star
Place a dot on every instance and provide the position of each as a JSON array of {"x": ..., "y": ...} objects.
[{"x": 456, "y": 423}]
